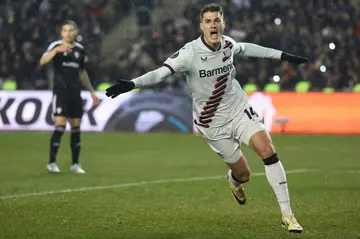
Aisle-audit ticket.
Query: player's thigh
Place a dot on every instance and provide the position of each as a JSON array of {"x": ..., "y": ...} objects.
[
  {"x": 76, "y": 110},
  {"x": 222, "y": 141},
  {"x": 60, "y": 120},
  {"x": 59, "y": 110},
  {"x": 252, "y": 132},
  {"x": 75, "y": 122},
  {"x": 226, "y": 148},
  {"x": 245, "y": 126}
]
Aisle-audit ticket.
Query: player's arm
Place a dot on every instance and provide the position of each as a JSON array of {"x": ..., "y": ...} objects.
[
  {"x": 85, "y": 80},
  {"x": 51, "y": 53},
  {"x": 253, "y": 50},
  {"x": 150, "y": 78},
  {"x": 47, "y": 57},
  {"x": 178, "y": 62},
  {"x": 84, "y": 77}
]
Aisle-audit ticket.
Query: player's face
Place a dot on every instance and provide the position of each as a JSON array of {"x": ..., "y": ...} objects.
[
  {"x": 212, "y": 26},
  {"x": 68, "y": 33}
]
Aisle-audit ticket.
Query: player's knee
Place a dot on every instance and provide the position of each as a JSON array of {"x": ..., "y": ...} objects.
[
  {"x": 75, "y": 129},
  {"x": 75, "y": 122},
  {"x": 60, "y": 128},
  {"x": 243, "y": 176}
]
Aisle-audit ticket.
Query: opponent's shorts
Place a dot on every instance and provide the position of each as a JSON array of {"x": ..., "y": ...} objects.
[
  {"x": 226, "y": 140},
  {"x": 67, "y": 106}
]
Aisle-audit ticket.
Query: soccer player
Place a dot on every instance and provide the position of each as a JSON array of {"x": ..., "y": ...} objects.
[
  {"x": 68, "y": 58},
  {"x": 221, "y": 108}
]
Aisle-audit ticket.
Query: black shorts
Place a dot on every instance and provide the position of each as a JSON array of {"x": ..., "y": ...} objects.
[{"x": 67, "y": 106}]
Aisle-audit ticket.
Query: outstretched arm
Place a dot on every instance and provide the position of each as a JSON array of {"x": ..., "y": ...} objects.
[
  {"x": 150, "y": 78},
  {"x": 179, "y": 62},
  {"x": 253, "y": 50}
]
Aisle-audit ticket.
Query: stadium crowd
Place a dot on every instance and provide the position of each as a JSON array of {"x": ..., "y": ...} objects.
[
  {"x": 301, "y": 27},
  {"x": 325, "y": 31},
  {"x": 28, "y": 27}
]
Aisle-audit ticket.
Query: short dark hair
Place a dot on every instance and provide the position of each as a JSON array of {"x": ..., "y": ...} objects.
[
  {"x": 211, "y": 7},
  {"x": 69, "y": 22}
]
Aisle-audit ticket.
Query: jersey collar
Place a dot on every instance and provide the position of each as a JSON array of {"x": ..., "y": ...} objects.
[{"x": 208, "y": 46}]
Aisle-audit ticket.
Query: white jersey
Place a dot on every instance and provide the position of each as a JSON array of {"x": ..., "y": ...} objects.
[{"x": 210, "y": 75}]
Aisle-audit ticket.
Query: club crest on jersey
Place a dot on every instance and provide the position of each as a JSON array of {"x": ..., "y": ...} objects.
[
  {"x": 176, "y": 54},
  {"x": 76, "y": 54},
  {"x": 227, "y": 54}
]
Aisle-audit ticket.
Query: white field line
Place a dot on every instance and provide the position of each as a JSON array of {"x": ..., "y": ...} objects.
[{"x": 125, "y": 185}]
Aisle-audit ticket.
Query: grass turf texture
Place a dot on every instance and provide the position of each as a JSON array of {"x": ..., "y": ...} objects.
[{"x": 326, "y": 202}]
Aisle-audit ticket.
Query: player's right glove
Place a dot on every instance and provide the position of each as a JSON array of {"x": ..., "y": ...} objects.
[
  {"x": 122, "y": 86},
  {"x": 292, "y": 58}
]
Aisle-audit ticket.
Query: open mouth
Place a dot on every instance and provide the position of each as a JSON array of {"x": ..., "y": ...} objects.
[{"x": 213, "y": 34}]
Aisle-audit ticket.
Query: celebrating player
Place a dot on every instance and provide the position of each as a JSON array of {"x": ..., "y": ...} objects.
[
  {"x": 221, "y": 108},
  {"x": 68, "y": 59}
]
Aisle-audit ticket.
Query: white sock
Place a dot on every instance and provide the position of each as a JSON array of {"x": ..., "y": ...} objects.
[
  {"x": 232, "y": 180},
  {"x": 276, "y": 176}
]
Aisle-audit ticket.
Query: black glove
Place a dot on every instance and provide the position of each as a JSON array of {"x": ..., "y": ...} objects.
[
  {"x": 292, "y": 58},
  {"x": 122, "y": 86}
]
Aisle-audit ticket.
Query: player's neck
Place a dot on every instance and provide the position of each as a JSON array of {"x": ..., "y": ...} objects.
[
  {"x": 212, "y": 46},
  {"x": 69, "y": 44},
  {"x": 215, "y": 45}
]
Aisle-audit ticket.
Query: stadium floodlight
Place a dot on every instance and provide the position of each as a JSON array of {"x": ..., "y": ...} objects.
[
  {"x": 277, "y": 21},
  {"x": 323, "y": 68},
  {"x": 276, "y": 78}
]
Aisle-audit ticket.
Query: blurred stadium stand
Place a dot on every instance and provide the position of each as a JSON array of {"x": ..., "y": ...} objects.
[{"x": 130, "y": 37}]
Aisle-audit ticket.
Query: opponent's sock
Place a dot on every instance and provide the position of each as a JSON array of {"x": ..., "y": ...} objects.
[
  {"x": 276, "y": 176},
  {"x": 75, "y": 144},
  {"x": 55, "y": 142},
  {"x": 232, "y": 180}
]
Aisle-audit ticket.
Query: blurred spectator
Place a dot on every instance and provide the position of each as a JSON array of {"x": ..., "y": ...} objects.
[
  {"x": 300, "y": 27},
  {"x": 326, "y": 31},
  {"x": 27, "y": 27}
]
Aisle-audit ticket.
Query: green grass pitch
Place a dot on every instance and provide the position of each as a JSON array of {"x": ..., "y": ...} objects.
[{"x": 325, "y": 199}]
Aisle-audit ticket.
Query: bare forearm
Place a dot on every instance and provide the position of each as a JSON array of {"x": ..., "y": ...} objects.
[
  {"x": 253, "y": 50},
  {"x": 47, "y": 57},
  {"x": 85, "y": 80}
]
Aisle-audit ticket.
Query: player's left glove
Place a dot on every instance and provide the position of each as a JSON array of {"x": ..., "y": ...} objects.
[
  {"x": 122, "y": 86},
  {"x": 292, "y": 58}
]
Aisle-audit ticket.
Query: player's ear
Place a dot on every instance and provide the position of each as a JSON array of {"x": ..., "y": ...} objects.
[{"x": 201, "y": 26}]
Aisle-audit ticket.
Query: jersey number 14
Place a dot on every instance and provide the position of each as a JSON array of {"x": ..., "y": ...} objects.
[{"x": 250, "y": 113}]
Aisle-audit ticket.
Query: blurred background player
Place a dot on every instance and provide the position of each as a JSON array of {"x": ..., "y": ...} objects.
[
  {"x": 68, "y": 58},
  {"x": 221, "y": 108}
]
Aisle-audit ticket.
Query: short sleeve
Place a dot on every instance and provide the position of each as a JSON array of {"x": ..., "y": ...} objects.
[
  {"x": 237, "y": 47},
  {"x": 52, "y": 46},
  {"x": 180, "y": 61}
]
